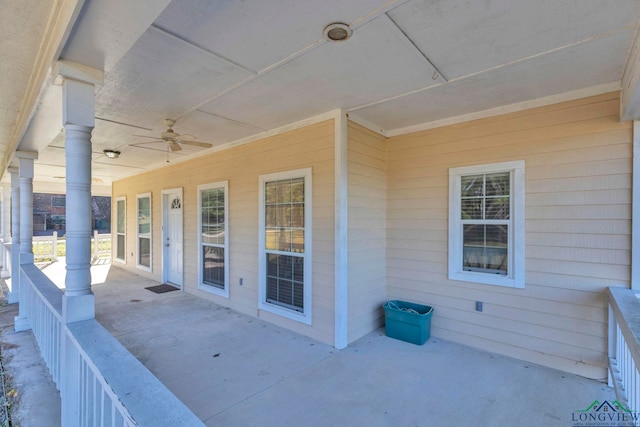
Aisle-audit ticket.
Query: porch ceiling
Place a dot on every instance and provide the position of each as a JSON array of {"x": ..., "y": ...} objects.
[{"x": 227, "y": 70}]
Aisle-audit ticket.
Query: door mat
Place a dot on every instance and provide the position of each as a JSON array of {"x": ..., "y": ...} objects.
[{"x": 161, "y": 289}]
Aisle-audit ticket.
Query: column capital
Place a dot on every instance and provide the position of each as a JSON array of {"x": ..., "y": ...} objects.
[
  {"x": 65, "y": 69},
  {"x": 26, "y": 165},
  {"x": 78, "y": 103},
  {"x": 78, "y": 92},
  {"x": 12, "y": 170},
  {"x": 33, "y": 155}
]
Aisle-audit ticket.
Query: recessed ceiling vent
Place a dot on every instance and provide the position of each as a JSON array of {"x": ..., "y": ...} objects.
[{"x": 337, "y": 32}]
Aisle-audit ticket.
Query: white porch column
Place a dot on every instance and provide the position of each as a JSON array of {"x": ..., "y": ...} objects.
[
  {"x": 78, "y": 110},
  {"x": 78, "y": 120},
  {"x": 6, "y": 231},
  {"x": 78, "y": 159},
  {"x": 14, "y": 294},
  {"x": 25, "y": 159}
]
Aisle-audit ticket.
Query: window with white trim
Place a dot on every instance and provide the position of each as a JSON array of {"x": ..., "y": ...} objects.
[
  {"x": 144, "y": 231},
  {"x": 121, "y": 229},
  {"x": 486, "y": 224},
  {"x": 285, "y": 244},
  {"x": 213, "y": 238},
  {"x": 58, "y": 201}
]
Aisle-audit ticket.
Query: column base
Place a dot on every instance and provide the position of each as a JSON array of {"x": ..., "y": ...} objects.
[
  {"x": 78, "y": 308},
  {"x": 26, "y": 258},
  {"x": 21, "y": 324},
  {"x": 13, "y": 298}
]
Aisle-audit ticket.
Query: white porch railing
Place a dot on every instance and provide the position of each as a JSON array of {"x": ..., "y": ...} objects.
[
  {"x": 624, "y": 351},
  {"x": 101, "y": 245},
  {"x": 45, "y": 247},
  {"x": 103, "y": 384},
  {"x": 43, "y": 308}
]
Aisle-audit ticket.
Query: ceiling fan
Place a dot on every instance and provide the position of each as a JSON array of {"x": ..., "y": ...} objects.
[{"x": 174, "y": 139}]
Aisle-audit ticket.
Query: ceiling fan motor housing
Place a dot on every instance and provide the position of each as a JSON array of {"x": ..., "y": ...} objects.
[{"x": 170, "y": 135}]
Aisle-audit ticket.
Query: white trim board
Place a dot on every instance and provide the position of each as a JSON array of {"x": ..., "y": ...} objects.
[
  {"x": 635, "y": 208},
  {"x": 341, "y": 251}
]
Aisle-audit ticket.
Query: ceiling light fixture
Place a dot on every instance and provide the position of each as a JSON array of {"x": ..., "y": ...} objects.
[
  {"x": 337, "y": 32},
  {"x": 112, "y": 154}
]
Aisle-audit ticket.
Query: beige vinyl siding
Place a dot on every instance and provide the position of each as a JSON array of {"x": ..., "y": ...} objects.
[
  {"x": 366, "y": 188},
  {"x": 577, "y": 230},
  {"x": 311, "y": 146}
]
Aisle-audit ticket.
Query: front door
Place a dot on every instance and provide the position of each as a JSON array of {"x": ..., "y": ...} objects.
[{"x": 172, "y": 236}]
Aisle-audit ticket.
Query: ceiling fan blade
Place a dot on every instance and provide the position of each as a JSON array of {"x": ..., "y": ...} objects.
[
  {"x": 174, "y": 146},
  {"x": 187, "y": 136},
  {"x": 196, "y": 143},
  {"x": 146, "y": 142},
  {"x": 146, "y": 136}
]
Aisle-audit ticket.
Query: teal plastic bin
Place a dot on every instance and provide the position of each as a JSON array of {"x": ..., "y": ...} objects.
[{"x": 407, "y": 321}]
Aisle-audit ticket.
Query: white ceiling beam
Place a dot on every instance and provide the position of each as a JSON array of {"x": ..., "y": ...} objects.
[
  {"x": 375, "y": 13},
  {"x": 108, "y": 30},
  {"x": 630, "y": 97}
]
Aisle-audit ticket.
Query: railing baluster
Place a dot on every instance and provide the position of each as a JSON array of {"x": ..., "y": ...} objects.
[{"x": 103, "y": 414}]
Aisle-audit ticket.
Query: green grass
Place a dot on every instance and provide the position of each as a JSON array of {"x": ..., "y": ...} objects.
[{"x": 40, "y": 249}]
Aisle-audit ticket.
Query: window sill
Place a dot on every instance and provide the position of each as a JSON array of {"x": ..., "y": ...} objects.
[
  {"x": 486, "y": 279},
  {"x": 283, "y": 312},
  {"x": 143, "y": 267},
  {"x": 214, "y": 290}
]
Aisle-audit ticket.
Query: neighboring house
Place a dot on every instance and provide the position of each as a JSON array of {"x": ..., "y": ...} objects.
[
  {"x": 539, "y": 246},
  {"x": 49, "y": 214}
]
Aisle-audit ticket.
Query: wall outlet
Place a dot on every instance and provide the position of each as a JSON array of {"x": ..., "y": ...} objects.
[{"x": 478, "y": 305}]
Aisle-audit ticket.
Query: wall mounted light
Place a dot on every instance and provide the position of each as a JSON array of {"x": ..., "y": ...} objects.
[{"x": 112, "y": 154}]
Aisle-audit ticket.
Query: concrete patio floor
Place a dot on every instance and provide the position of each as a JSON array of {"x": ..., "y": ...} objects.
[{"x": 235, "y": 370}]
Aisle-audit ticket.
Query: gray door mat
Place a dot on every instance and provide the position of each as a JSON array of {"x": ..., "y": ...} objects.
[{"x": 161, "y": 289}]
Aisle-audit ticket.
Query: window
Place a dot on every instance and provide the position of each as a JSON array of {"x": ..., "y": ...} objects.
[
  {"x": 58, "y": 221},
  {"x": 121, "y": 229},
  {"x": 285, "y": 244},
  {"x": 213, "y": 238},
  {"x": 486, "y": 224},
  {"x": 144, "y": 231},
  {"x": 58, "y": 201}
]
